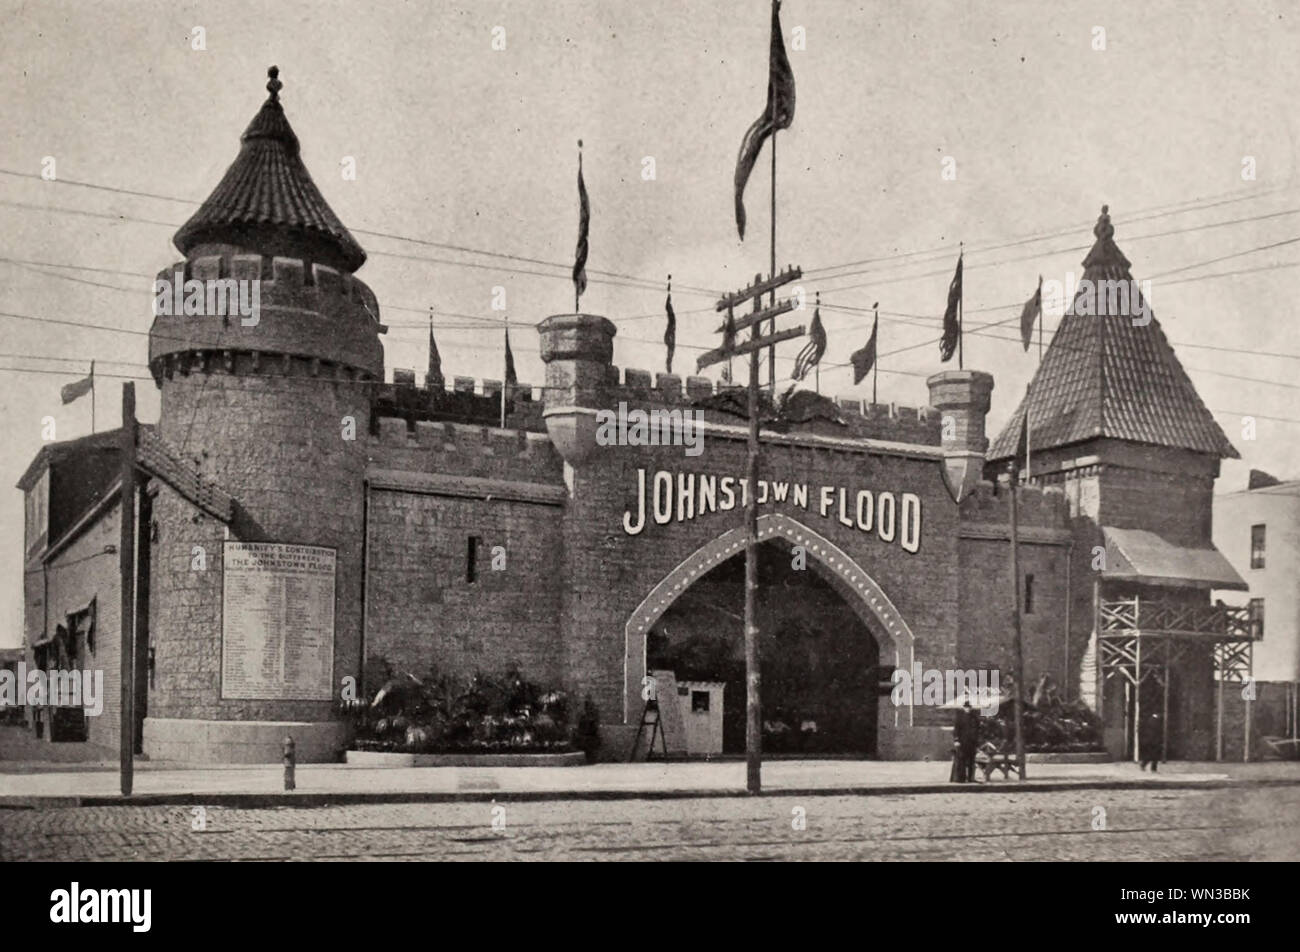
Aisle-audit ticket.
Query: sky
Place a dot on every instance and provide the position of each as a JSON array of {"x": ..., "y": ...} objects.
[{"x": 1178, "y": 115}]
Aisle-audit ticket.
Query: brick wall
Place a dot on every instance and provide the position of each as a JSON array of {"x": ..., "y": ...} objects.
[
  {"x": 421, "y": 608},
  {"x": 611, "y": 572},
  {"x": 986, "y": 625}
]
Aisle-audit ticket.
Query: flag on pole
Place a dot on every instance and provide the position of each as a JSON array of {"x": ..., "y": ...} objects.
[
  {"x": 951, "y": 326},
  {"x": 584, "y": 222},
  {"x": 670, "y": 332},
  {"x": 864, "y": 359},
  {"x": 511, "y": 379},
  {"x": 812, "y": 351},
  {"x": 1033, "y": 311},
  {"x": 78, "y": 388},
  {"x": 433, "y": 378},
  {"x": 778, "y": 114}
]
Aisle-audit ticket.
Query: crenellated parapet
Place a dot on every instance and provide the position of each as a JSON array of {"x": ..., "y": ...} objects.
[
  {"x": 459, "y": 400},
  {"x": 1044, "y": 506},
  {"x": 236, "y": 305},
  {"x": 462, "y": 449},
  {"x": 862, "y": 418}
]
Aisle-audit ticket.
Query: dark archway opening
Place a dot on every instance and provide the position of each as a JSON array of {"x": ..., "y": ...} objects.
[{"x": 819, "y": 659}]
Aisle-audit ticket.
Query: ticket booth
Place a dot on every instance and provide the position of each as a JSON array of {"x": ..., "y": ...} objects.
[{"x": 701, "y": 706}]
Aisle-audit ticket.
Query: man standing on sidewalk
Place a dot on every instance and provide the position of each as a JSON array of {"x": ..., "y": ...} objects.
[
  {"x": 968, "y": 727},
  {"x": 965, "y": 735},
  {"x": 1151, "y": 740}
]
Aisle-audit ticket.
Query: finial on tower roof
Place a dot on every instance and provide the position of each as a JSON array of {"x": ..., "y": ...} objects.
[
  {"x": 273, "y": 85},
  {"x": 1104, "y": 229}
]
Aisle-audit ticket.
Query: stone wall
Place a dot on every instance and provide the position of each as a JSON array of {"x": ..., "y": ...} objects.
[
  {"x": 278, "y": 442},
  {"x": 424, "y": 608}
]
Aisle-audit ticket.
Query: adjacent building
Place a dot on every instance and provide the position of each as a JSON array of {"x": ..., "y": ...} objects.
[{"x": 1258, "y": 529}]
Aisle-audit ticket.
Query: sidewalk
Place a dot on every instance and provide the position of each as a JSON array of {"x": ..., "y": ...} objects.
[{"x": 29, "y": 784}]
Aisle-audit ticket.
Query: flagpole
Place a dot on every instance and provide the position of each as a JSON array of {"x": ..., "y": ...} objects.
[
  {"x": 505, "y": 371},
  {"x": 818, "y": 366},
  {"x": 1040, "y": 319},
  {"x": 1025, "y": 424},
  {"x": 961, "y": 294},
  {"x": 92, "y": 398},
  {"x": 875, "y": 364},
  {"x": 771, "y": 350},
  {"x": 1015, "y": 618},
  {"x": 576, "y": 293}
]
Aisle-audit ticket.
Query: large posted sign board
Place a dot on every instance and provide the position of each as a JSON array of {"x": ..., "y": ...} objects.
[{"x": 277, "y": 622}]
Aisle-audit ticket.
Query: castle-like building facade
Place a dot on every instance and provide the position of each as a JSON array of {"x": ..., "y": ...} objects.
[{"x": 301, "y": 517}]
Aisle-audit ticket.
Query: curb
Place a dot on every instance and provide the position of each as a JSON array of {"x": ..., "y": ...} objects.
[{"x": 311, "y": 800}]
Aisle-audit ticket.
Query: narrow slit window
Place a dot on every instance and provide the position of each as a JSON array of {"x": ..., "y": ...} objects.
[
  {"x": 1029, "y": 593},
  {"x": 471, "y": 559}
]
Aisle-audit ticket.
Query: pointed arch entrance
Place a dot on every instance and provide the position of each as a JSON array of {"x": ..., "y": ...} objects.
[{"x": 859, "y": 589}]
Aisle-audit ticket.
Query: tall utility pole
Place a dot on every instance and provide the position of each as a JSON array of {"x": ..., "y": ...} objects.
[
  {"x": 1015, "y": 619},
  {"x": 728, "y": 350},
  {"x": 126, "y": 563},
  {"x": 753, "y": 659}
]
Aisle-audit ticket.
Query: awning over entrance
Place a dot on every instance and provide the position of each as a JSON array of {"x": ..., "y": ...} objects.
[{"x": 1135, "y": 555}]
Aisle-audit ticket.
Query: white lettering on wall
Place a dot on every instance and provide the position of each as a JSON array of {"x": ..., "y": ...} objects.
[{"x": 681, "y": 497}]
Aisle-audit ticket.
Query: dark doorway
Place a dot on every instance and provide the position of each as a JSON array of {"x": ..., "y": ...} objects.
[{"x": 818, "y": 657}]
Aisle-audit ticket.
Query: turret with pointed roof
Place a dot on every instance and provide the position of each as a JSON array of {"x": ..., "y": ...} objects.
[
  {"x": 276, "y": 401},
  {"x": 267, "y": 200},
  {"x": 1111, "y": 373}
]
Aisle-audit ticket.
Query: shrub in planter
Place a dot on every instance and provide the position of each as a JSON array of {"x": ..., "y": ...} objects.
[{"x": 442, "y": 715}]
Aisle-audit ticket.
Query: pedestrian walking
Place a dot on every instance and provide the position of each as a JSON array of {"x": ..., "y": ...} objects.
[{"x": 1151, "y": 740}]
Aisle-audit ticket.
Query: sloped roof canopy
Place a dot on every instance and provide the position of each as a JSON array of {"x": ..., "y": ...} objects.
[
  {"x": 267, "y": 200},
  {"x": 1135, "y": 555},
  {"x": 1110, "y": 372}
]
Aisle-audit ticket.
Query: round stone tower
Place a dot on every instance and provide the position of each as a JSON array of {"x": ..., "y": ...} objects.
[{"x": 265, "y": 356}]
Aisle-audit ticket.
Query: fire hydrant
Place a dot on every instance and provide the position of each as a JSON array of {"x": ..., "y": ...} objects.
[{"x": 288, "y": 763}]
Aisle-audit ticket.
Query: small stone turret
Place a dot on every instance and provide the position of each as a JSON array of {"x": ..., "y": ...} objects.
[
  {"x": 578, "y": 350},
  {"x": 962, "y": 399}
]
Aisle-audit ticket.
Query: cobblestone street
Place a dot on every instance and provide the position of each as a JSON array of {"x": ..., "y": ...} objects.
[{"x": 1260, "y": 823}]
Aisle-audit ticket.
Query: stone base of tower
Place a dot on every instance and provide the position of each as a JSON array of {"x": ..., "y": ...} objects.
[{"x": 242, "y": 742}]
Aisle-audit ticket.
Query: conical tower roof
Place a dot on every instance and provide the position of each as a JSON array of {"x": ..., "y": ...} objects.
[
  {"x": 1106, "y": 376},
  {"x": 267, "y": 199}
]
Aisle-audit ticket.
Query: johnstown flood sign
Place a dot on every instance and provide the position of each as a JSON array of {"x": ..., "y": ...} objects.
[
  {"x": 277, "y": 622},
  {"x": 664, "y": 497}
]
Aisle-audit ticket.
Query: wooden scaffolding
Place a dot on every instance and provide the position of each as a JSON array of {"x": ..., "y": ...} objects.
[{"x": 1143, "y": 638}]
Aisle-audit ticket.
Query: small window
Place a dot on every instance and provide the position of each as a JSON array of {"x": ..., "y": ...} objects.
[
  {"x": 1029, "y": 594},
  {"x": 699, "y": 702},
  {"x": 471, "y": 559},
  {"x": 1256, "y": 607},
  {"x": 1257, "y": 547}
]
